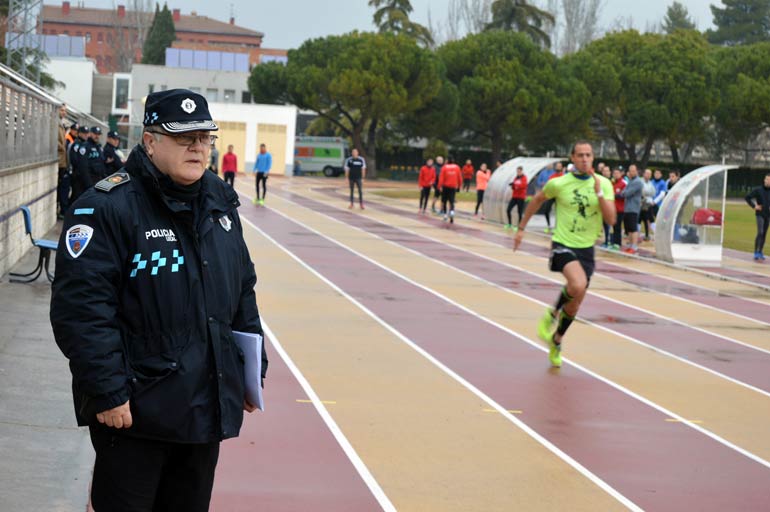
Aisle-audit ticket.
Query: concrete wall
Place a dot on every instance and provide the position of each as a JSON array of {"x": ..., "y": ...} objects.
[
  {"x": 162, "y": 78},
  {"x": 35, "y": 186},
  {"x": 253, "y": 116},
  {"x": 77, "y": 75}
]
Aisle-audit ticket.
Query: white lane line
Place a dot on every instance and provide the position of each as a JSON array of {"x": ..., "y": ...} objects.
[
  {"x": 607, "y": 381},
  {"x": 363, "y": 471},
  {"x": 467, "y": 385},
  {"x": 580, "y": 319}
]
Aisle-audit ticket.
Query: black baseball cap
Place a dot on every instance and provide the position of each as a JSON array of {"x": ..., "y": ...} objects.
[
  {"x": 96, "y": 130},
  {"x": 74, "y": 126},
  {"x": 83, "y": 129},
  {"x": 113, "y": 135},
  {"x": 178, "y": 111}
]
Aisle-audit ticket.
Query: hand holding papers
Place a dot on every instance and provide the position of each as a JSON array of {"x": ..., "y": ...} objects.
[{"x": 251, "y": 344}]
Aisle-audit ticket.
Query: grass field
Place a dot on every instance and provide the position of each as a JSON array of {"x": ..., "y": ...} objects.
[{"x": 740, "y": 226}]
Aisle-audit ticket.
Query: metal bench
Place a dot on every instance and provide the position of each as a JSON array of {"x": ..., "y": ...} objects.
[{"x": 44, "y": 257}]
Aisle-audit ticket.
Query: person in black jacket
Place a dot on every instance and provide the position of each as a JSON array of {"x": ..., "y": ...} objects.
[
  {"x": 94, "y": 156},
  {"x": 153, "y": 277},
  {"x": 80, "y": 177},
  {"x": 112, "y": 159},
  {"x": 759, "y": 200}
]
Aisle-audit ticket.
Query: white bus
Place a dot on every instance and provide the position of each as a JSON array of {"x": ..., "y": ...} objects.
[{"x": 320, "y": 154}]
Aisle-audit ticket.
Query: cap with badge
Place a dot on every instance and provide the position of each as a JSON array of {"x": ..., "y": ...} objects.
[
  {"x": 113, "y": 135},
  {"x": 96, "y": 130},
  {"x": 74, "y": 126},
  {"x": 178, "y": 111},
  {"x": 83, "y": 129}
]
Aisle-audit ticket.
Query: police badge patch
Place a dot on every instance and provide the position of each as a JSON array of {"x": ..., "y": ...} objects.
[
  {"x": 77, "y": 239},
  {"x": 225, "y": 222},
  {"x": 189, "y": 106}
]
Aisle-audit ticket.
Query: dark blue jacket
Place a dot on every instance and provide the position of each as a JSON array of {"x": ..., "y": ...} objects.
[{"x": 147, "y": 293}]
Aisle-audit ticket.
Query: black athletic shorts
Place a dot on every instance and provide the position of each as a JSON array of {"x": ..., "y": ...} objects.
[
  {"x": 631, "y": 222},
  {"x": 561, "y": 255}
]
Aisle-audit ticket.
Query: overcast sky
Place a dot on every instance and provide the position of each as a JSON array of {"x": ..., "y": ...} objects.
[{"x": 287, "y": 23}]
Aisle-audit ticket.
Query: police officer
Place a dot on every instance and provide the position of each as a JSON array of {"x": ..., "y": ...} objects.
[
  {"x": 152, "y": 279},
  {"x": 112, "y": 159},
  {"x": 79, "y": 167},
  {"x": 97, "y": 169}
]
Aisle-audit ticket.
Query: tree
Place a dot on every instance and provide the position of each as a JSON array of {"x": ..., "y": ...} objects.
[
  {"x": 741, "y": 22},
  {"x": 743, "y": 113},
  {"x": 160, "y": 37},
  {"x": 268, "y": 83},
  {"x": 393, "y": 16},
  {"x": 520, "y": 16},
  {"x": 358, "y": 82},
  {"x": 677, "y": 17},
  {"x": 131, "y": 32},
  {"x": 510, "y": 93},
  {"x": 648, "y": 87},
  {"x": 581, "y": 21}
]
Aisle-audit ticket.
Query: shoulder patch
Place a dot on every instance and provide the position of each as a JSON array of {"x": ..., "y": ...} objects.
[{"x": 112, "y": 181}]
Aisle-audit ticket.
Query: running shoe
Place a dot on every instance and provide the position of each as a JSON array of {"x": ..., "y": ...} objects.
[
  {"x": 350, "y": 207},
  {"x": 547, "y": 230},
  {"x": 262, "y": 202},
  {"x": 615, "y": 247},
  {"x": 254, "y": 201},
  {"x": 546, "y": 332},
  {"x": 362, "y": 206},
  {"x": 483, "y": 218},
  {"x": 451, "y": 216},
  {"x": 446, "y": 218},
  {"x": 507, "y": 226},
  {"x": 515, "y": 228},
  {"x": 761, "y": 256},
  {"x": 547, "y": 324}
]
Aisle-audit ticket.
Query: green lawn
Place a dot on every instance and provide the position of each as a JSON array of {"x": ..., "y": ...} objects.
[{"x": 740, "y": 227}]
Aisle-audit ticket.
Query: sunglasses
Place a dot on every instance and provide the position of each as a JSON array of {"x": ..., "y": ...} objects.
[{"x": 188, "y": 140}]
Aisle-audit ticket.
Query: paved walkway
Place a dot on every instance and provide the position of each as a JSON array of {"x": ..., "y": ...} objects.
[{"x": 45, "y": 460}]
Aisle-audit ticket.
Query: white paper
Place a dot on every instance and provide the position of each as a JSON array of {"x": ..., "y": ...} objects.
[{"x": 251, "y": 344}]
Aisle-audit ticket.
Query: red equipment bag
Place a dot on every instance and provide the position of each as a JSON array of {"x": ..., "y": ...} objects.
[{"x": 706, "y": 217}]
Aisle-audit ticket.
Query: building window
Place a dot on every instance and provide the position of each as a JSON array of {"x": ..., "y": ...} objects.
[
  {"x": 245, "y": 97},
  {"x": 78, "y": 33},
  {"x": 88, "y": 37},
  {"x": 100, "y": 38},
  {"x": 150, "y": 88},
  {"x": 212, "y": 95},
  {"x": 109, "y": 37},
  {"x": 108, "y": 62},
  {"x": 229, "y": 96},
  {"x": 99, "y": 62},
  {"x": 121, "y": 90}
]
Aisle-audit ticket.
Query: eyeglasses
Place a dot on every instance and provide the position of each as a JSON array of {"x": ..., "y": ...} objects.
[{"x": 188, "y": 140}]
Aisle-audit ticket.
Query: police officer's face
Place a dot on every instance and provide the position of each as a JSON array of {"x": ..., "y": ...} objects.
[{"x": 184, "y": 164}]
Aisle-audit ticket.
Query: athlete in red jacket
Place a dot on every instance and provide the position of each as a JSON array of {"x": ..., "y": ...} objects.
[
  {"x": 426, "y": 180},
  {"x": 450, "y": 181},
  {"x": 518, "y": 197}
]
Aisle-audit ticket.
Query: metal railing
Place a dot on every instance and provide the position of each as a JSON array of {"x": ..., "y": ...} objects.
[{"x": 28, "y": 129}]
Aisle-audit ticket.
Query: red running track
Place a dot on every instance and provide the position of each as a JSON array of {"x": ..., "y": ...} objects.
[
  {"x": 657, "y": 464},
  {"x": 740, "y": 362},
  {"x": 286, "y": 458}
]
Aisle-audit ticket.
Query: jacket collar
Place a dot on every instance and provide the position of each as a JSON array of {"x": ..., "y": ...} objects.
[{"x": 215, "y": 196}]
